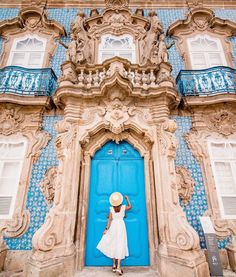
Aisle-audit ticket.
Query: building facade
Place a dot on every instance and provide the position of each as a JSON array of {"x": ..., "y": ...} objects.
[{"x": 103, "y": 96}]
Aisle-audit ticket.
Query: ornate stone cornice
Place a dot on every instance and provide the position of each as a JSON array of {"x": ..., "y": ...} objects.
[
  {"x": 117, "y": 3},
  {"x": 133, "y": 3},
  {"x": 31, "y": 18},
  {"x": 202, "y": 19}
]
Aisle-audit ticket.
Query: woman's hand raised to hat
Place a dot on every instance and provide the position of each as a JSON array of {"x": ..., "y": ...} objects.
[{"x": 126, "y": 197}]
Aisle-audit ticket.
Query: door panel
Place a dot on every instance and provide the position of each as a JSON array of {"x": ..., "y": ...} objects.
[{"x": 117, "y": 167}]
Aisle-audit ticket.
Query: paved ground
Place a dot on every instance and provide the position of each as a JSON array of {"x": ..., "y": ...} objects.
[
  {"x": 128, "y": 272},
  {"x": 106, "y": 272}
]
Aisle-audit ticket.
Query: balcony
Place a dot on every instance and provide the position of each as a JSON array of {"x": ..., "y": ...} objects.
[
  {"x": 29, "y": 82},
  {"x": 206, "y": 82}
]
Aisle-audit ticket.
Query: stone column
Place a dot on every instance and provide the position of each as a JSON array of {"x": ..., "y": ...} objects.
[
  {"x": 179, "y": 253},
  {"x": 53, "y": 244}
]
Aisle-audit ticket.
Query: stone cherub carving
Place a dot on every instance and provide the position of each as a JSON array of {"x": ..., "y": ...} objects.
[{"x": 159, "y": 51}]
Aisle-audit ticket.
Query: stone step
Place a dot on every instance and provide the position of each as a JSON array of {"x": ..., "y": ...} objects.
[
  {"x": 106, "y": 272},
  {"x": 129, "y": 272}
]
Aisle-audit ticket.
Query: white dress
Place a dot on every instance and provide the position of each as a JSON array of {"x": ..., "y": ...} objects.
[{"x": 114, "y": 243}]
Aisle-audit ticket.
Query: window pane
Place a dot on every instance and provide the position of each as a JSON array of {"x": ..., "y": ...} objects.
[
  {"x": 122, "y": 46},
  {"x": 210, "y": 45},
  {"x": 106, "y": 56},
  {"x": 18, "y": 59},
  {"x": 5, "y": 204},
  {"x": 127, "y": 56},
  {"x": 229, "y": 204},
  {"x": 198, "y": 60},
  {"x": 10, "y": 169},
  {"x": 15, "y": 150},
  {"x": 215, "y": 59},
  {"x": 218, "y": 150},
  {"x": 224, "y": 177},
  {"x": 35, "y": 59}
]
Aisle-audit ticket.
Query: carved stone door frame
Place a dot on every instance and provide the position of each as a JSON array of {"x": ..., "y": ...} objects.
[{"x": 89, "y": 149}]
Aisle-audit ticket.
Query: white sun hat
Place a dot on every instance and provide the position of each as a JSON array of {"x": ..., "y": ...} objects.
[{"x": 116, "y": 199}]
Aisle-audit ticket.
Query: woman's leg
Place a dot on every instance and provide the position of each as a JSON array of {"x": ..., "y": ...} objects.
[
  {"x": 119, "y": 270},
  {"x": 114, "y": 265},
  {"x": 118, "y": 264}
]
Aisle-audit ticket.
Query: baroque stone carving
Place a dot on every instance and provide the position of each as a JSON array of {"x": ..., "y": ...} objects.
[
  {"x": 25, "y": 123},
  {"x": 17, "y": 226},
  {"x": 31, "y": 20},
  {"x": 78, "y": 50},
  {"x": 185, "y": 184},
  {"x": 223, "y": 122},
  {"x": 10, "y": 120},
  {"x": 150, "y": 44},
  {"x": 48, "y": 184},
  {"x": 223, "y": 227},
  {"x": 117, "y": 4},
  {"x": 202, "y": 20}
]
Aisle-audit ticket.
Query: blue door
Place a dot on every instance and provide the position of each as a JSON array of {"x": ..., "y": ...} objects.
[{"x": 117, "y": 167}]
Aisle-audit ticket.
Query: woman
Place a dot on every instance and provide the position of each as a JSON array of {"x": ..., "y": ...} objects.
[{"x": 114, "y": 240}]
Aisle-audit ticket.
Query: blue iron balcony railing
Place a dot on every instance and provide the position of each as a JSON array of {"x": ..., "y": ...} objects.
[
  {"x": 27, "y": 81},
  {"x": 211, "y": 81}
]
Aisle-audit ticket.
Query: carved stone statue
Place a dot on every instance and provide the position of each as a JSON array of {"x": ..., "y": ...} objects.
[
  {"x": 159, "y": 51},
  {"x": 77, "y": 26},
  {"x": 162, "y": 49},
  {"x": 71, "y": 49},
  {"x": 150, "y": 39}
]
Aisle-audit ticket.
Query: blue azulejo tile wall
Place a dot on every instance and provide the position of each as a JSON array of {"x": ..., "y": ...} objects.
[
  {"x": 6, "y": 13},
  {"x": 198, "y": 203},
  {"x": 36, "y": 203}
]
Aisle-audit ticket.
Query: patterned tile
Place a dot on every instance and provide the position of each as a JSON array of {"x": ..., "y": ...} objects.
[
  {"x": 198, "y": 204},
  {"x": 6, "y": 13},
  {"x": 36, "y": 203}
]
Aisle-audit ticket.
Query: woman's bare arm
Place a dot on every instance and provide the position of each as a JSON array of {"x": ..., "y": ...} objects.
[
  {"x": 108, "y": 223},
  {"x": 129, "y": 204}
]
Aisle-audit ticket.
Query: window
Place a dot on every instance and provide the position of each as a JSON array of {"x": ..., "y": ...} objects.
[
  {"x": 12, "y": 152},
  {"x": 28, "y": 52},
  {"x": 205, "y": 52},
  {"x": 223, "y": 159},
  {"x": 121, "y": 46}
]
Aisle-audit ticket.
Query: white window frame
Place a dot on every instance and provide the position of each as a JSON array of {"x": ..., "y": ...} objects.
[
  {"x": 231, "y": 161},
  {"x": 13, "y": 51},
  {"x": 13, "y": 140},
  {"x": 116, "y": 51},
  {"x": 206, "y": 53}
]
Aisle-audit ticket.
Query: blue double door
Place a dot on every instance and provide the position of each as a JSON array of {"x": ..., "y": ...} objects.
[{"x": 117, "y": 167}]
